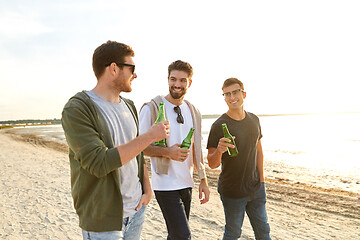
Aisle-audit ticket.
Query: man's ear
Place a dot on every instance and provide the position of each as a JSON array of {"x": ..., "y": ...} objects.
[
  {"x": 113, "y": 68},
  {"x": 190, "y": 82}
]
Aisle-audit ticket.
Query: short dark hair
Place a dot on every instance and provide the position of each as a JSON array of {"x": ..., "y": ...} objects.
[
  {"x": 108, "y": 53},
  {"x": 181, "y": 66},
  {"x": 231, "y": 81}
]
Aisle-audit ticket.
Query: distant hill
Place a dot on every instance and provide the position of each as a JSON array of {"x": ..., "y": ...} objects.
[{"x": 29, "y": 122}]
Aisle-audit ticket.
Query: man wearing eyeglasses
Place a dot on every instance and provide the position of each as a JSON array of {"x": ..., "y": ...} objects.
[
  {"x": 172, "y": 166},
  {"x": 241, "y": 182},
  {"x": 109, "y": 181}
]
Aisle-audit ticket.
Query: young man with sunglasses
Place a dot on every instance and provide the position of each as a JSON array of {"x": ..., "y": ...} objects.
[
  {"x": 241, "y": 182},
  {"x": 109, "y": 180},
  {"x": 172, "y": 166}
]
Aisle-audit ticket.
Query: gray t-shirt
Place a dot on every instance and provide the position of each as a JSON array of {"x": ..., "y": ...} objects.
[{"x": 123, "y": 129}]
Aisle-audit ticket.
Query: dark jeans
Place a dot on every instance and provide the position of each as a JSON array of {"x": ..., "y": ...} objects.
[
  {"x": 175, "y": 207},
  {"x": 254, "y": 206}
]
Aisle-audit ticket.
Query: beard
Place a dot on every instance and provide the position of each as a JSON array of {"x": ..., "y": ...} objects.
[
  {"x": 122, "y": 85},
  {"x": 177, "y": 95},
  {"x": 127, "y": 89}
]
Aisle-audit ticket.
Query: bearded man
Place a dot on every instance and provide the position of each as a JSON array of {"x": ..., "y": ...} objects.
[{"x": 172, "y": 166}]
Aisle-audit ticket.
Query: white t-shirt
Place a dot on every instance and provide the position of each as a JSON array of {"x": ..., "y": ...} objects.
[
  {"x": 123, "y": 129},
  {"x": 180, "y": 173}
]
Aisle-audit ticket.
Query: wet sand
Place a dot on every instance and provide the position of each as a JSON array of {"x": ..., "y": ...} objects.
[{"x": 35, "y": 200}]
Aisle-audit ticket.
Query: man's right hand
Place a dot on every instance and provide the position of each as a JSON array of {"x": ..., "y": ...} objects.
[
  {"x": 223, "y": 145},
  {"x": 160, "y": 130}
]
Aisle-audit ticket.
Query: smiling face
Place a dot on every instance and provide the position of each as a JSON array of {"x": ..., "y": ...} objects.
[
  {"x": 233, "y": 97},
  {"x": 179, "y": 83}
]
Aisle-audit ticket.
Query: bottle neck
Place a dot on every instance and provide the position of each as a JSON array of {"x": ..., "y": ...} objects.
[
  {"x": 161, "y": 114},
  {"x": 226, "y": 131}
]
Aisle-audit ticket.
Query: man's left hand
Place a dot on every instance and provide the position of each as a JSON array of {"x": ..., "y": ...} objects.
[
  {"x": 204, "y": 192},
  {"x": 144, "y": 200}
]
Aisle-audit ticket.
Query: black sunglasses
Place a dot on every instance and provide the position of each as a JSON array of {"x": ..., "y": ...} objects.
[
  {"x": 180, "y": 118},
  {"x": 124, "y": 64}
]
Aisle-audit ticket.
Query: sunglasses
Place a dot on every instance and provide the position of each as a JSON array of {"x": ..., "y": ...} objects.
[
  {"x": 124, "y": 64},
  {"x": 180, "y": 118}
]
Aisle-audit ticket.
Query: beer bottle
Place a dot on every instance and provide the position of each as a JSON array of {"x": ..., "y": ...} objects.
[
  {"x": 232, "y": 151},
  {"x": 186, "y": 143},
  {"x": 161, "y": 118}
]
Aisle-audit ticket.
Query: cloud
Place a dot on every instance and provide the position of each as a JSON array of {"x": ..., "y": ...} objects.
[{"x": 16, "y": 25}]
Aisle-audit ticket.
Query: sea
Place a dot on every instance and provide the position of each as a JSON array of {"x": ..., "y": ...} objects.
[{"x": 320, "y": 149}]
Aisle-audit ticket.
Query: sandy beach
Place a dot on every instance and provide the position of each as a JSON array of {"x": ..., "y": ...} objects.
[{"x": 35, "y": 200}]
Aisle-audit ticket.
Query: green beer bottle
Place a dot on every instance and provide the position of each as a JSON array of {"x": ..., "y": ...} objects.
[
  {"x": 186, "y": 143},
  {"x": 161, "y": 117},
  {"x": 232, "y": 151}
]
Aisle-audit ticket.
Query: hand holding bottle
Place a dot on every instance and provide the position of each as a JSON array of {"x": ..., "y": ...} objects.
[
  {"x": 186, "y": 143},
  {"x": 175, "y": 152},
  {"x": 224, "y": 144},
  {"x": 160, "y": 118},
  {"x": 160, "y": 130},
  {"x": 232, "y": 151}
]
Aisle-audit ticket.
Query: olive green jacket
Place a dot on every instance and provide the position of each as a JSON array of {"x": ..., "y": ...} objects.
[{"x": 94, "y": 164}]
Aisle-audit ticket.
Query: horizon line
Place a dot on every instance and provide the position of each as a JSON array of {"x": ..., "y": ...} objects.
[
  {"x": 285, "y": 114},
  {"x": 213, "y": 115}
]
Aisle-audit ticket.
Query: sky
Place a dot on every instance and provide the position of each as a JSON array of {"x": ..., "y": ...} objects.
[{"x": 292, "y": 56}]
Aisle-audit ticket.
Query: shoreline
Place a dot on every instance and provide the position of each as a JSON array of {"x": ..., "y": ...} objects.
[
  {"x": 213, "y": 173},
  {"x": 36, "y": 203}
]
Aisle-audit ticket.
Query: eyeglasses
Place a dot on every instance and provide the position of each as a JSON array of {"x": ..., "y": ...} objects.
[
  {"x": 235, "y": 92},
  {"x": 124, "y": 64},
  {"x": 180, "y": 118}
]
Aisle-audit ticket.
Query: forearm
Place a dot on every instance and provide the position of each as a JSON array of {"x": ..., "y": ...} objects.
[
  {"x": 214, "y": 158},
  {"x": 131, "y": 149},
  {"x": 260, "y": 162},
  {"x": 147, "y": 191},
  {"x": 157, "y": 151},
  {"x": 260, "y": 167},
  {"x": 146, "y": 184}
]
